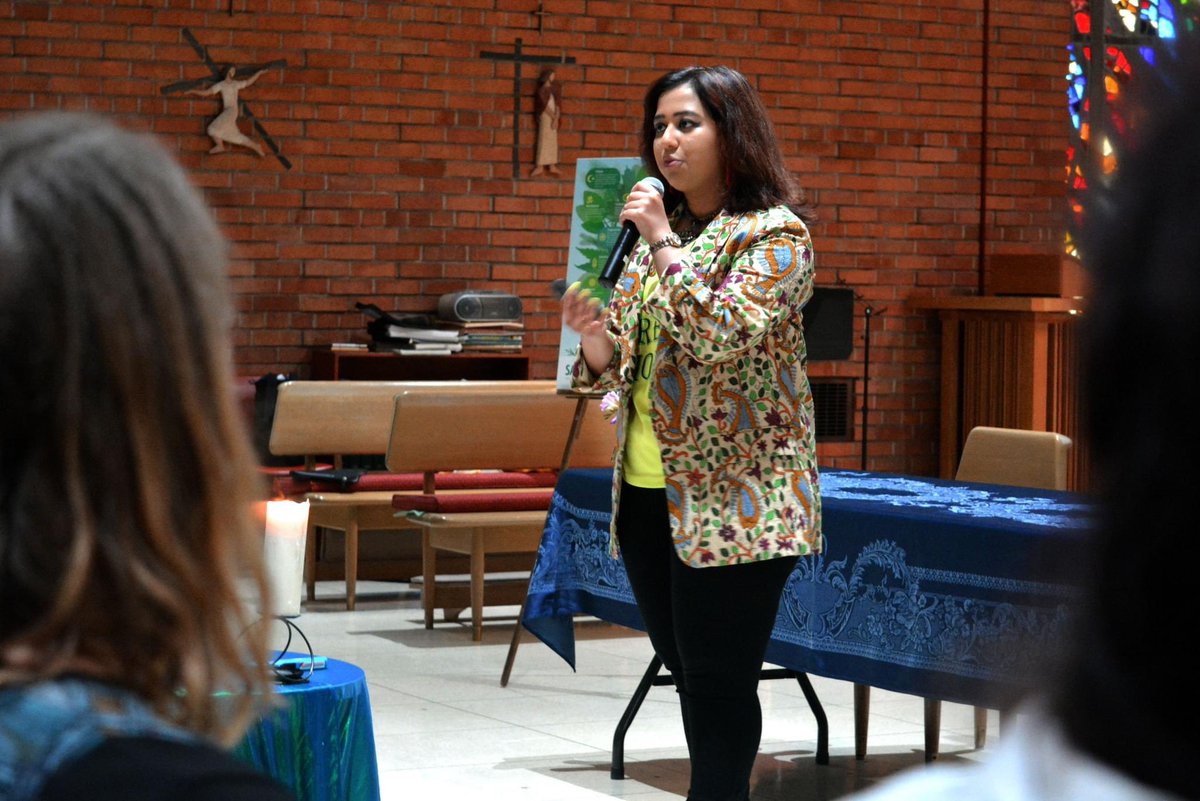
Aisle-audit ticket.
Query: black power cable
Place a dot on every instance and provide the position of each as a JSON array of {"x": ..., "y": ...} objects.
[{"x": 290, "y": 673}]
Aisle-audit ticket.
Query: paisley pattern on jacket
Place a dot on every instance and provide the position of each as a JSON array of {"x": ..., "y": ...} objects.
[{"x": 732, "y": 409}]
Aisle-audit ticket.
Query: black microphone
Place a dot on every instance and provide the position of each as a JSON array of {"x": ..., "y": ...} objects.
[{"x": 624, "y": 246}]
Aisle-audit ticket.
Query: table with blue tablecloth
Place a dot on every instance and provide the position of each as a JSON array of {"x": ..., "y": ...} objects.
[
  {"x": 935, "y": 588},
  {"x": 320, "y": 742}
]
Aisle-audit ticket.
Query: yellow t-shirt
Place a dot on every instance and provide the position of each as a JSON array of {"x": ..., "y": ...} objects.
[{"x": 643, "y": 460}]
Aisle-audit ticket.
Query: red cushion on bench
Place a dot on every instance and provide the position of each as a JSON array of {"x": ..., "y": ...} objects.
[
  {"x": 288, "y": 486},
  {"x": 285, "y": 471},
  {"x": 504, "y": 480},
  {"x": 406, "y": 482},
  {"x": 381, "y": 482},
  {"x": 475, "y": 502},
  {"x": 282, "y": 483}
]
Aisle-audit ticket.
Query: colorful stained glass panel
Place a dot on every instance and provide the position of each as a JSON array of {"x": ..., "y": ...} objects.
[{"x": 1138, "y": 34}]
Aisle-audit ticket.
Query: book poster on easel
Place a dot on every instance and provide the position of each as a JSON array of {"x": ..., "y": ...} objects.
[{"x": 601, "y": 185}]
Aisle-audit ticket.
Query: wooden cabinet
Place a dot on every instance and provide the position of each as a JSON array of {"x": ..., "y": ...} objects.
[
  {"x": 1010, "y": 362},
  {"x": 336, "y": 365}
]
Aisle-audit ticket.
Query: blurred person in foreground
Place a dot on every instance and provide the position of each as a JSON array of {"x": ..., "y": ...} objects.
[
  {"x": 1114, "y": 722},
  {"x": 715, "y": 488},
  {"x": 125, "y": 480}
]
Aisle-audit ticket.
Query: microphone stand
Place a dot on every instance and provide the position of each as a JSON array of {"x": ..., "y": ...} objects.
[
  {"x": 862, "y": 692},
  {"x": 868, "y": 312}
]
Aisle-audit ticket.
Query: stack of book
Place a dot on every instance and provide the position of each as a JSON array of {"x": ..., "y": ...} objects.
[
  {"x": 501, "y": 337},
  {"x": 409, "y": 335},
  {"x": 410, "y": 341}
]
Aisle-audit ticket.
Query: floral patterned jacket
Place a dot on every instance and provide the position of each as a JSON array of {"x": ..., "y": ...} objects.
[{"x": 732, "y": 408}]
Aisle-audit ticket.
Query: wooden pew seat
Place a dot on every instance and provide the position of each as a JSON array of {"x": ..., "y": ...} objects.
[
  {"x": 527, "y": 430},
  {"x": 354, "y": 418}
]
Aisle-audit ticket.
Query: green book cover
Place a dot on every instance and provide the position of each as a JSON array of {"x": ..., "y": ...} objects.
[{"x": 601, "y": 185}]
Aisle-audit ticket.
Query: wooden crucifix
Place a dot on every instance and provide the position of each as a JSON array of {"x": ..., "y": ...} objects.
[
  {"x": 218, "y": 74},
  {"x": 518, "y": 58}
]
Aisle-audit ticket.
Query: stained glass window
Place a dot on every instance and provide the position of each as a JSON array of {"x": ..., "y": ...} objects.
[{"x": 1137, "y": 34}]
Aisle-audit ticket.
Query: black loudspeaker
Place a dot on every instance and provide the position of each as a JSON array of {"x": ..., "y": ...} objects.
[
  {"x": 266, "y": 391},
  {"x": 829, "y": 324}
]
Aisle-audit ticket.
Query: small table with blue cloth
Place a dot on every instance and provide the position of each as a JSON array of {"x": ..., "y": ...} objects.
[
  {"x": 321, "y": 741},
  {"x": 934, "y": 588}
]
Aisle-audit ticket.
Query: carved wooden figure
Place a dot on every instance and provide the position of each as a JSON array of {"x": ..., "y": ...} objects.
[
  {"x": 548, "y": 106},
  {"x": 224, "y": 129}
]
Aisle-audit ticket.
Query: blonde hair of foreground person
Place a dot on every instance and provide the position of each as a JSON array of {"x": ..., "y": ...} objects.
[{"x": 126, "y": 478}]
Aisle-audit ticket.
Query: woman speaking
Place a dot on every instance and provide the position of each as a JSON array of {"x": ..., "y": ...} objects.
[{"x": 715, "y": 489}]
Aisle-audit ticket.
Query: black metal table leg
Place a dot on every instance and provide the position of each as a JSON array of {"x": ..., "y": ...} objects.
[
  {"x": 651, "y": 679},
  {"x": 631, "y": 710}
]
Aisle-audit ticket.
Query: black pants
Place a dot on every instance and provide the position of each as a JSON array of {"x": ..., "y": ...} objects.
[{"x": 710, "y": 627}]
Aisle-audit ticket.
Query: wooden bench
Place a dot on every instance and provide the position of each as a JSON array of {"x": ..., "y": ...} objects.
[
  {"x": 519, "y": 430},
  {"x": 354, "y": 418}
]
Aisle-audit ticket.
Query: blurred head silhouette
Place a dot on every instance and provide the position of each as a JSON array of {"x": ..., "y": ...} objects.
[
  {"x": 1120, "y": 698},
  {"x": 125, "y": 473}
]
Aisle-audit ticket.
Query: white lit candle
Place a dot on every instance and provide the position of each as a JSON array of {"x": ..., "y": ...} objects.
[{"x": 283, "y": 552}]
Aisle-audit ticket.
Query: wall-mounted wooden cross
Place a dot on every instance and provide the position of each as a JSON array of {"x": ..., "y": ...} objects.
[
  {"x": 216, "y": 74},
  {"x": 518, "y": 58}
]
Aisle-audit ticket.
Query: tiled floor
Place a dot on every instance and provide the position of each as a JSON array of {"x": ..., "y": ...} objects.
[{"x": 445, "y": 729}]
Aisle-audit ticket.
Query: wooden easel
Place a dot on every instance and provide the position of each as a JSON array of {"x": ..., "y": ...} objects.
[{"x": 581, "y": 403}]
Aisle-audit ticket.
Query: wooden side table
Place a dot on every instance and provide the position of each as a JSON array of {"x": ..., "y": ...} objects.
[{"x": 339, "y": 365}]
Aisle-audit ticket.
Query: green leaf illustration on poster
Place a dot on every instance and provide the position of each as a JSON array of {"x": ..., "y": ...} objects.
[{"x": 601, "y": 185}]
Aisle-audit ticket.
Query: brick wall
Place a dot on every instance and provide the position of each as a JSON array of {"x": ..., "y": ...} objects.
[{"x": 400, "y": 138}]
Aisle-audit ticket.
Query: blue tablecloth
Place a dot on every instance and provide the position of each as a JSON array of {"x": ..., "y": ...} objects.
[
  {"x": 936, "y": 588},
  {"x": 321, "y": 742}
]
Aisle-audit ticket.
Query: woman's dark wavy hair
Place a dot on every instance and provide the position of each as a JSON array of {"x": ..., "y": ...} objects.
[
  {"x": 126, "y": 476},
  {"x": 758, "y": 177},
  {"x": 1120, "y": 697}
]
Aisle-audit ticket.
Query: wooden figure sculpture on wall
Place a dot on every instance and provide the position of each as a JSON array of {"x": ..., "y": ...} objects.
[
  {"x": 518, "y": 58},
  {"x": 218, "y": 74},
  {"x": 548, "y": 107},
  {"x": 224, "y": 129}
]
